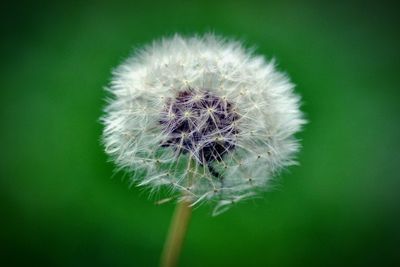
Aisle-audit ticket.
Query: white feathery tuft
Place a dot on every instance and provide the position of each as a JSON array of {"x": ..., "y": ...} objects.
[{"x": 203, "y": 116}]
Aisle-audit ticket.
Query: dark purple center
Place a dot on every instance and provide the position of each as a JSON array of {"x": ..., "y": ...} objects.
[{"x": 199, "y": 123}]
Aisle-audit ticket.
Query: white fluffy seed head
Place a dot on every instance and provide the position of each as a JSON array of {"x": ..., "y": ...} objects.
[{"x": 203, "y": 116}]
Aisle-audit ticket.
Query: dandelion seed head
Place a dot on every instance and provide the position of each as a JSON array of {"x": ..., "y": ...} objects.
[{"x": 202, "y": 116}]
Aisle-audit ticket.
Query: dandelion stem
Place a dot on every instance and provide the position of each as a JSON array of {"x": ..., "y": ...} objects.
[{"x": 176, "y": 235}]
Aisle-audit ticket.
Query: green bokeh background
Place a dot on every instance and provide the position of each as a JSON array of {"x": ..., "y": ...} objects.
[{"x": 61, "y": 204}]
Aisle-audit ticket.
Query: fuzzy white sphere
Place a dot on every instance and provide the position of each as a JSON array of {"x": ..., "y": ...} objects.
[{"x": 203, "y": 116}]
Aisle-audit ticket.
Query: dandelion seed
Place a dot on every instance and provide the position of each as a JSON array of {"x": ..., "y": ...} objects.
[{"x": 203, "y": 116}]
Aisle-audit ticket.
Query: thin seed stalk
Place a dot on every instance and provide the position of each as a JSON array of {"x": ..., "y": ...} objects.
[
  {"x": 178, "y": 227},
  {"x": 176, "y": 235}
]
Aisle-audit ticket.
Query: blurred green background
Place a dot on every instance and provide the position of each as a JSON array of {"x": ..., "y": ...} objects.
[{"x": 61, "y": 204}]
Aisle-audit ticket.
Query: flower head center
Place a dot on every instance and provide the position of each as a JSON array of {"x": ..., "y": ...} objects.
[{"x": 204, "y": 125}]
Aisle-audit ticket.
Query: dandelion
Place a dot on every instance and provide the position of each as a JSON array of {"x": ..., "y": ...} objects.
[{"x": 203, "y": 117}]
